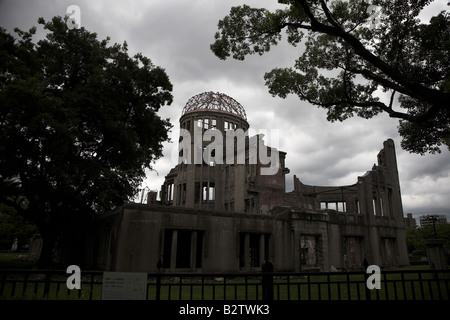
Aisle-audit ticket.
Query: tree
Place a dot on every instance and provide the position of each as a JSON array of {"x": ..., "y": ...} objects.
[
  {"x": 415, "y": 243},
  {"x": 354, "y": 51},
  {"x": 415, "y": 238},
  {"x": 14, "y": 228},
  {"x": 78, "y": 126}
]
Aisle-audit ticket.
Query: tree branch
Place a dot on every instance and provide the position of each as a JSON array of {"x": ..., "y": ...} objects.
[
  {"x": 383, "y": 81},
  {"x": 387, "y": 109},
  {"x": 433, "y": 96},
  {"x": 392, "y": 99},
  {"x": 330, "y": 18},
  {"x": 272, "y": 31},
  {"x": 365, "y": 104}
]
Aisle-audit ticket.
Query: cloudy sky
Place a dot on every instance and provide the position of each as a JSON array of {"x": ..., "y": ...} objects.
[{"x": 176, "y": 35}]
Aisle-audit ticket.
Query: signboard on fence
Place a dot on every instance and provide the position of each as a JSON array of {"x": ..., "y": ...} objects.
[{"x": 124, "y": 286}]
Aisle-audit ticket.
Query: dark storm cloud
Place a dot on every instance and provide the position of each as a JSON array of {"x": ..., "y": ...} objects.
[{"x": 176, "y": 36}]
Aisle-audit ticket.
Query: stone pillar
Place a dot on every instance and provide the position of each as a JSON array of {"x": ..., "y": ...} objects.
[
  {"x": 151, "y": 197},
  {"x": 378, "y": 203},
  {"x": 270, "y": 250},
  {"x": 436, "y": 255},
  {"x": 173, "y": 250}
]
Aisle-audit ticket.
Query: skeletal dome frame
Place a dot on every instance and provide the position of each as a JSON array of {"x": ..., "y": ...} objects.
[{"x": 214, "y": 101}]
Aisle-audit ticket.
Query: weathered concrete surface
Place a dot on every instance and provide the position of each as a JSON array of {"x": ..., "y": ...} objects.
[
  {"x": 135, "y": 240},
  {"x": 229, "y": 217}
]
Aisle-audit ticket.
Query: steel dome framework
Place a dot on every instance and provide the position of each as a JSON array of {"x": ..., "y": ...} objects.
[{"x": 214, "y": 101}]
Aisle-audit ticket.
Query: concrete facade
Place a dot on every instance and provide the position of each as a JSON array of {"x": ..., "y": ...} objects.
[{"x": 228, "y": 217}]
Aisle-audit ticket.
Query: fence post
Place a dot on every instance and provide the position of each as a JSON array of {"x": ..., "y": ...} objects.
[
  {"x": 158, "y": 279},
  {"x": 47, "y": 283},
  {"x": 267, "y": 281},
  {"x": 3, "y": 282}
]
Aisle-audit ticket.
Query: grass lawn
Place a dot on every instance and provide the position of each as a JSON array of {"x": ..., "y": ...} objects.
[
  {"x": 236, "y": 290},
  {"x": 341, "y": 287}
]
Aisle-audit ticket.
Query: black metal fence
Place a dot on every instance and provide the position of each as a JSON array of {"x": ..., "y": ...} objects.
[{"x": 395, "y": 285}]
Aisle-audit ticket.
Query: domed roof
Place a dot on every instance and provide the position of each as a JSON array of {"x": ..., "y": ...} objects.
[{"x": 214, "y": 101}]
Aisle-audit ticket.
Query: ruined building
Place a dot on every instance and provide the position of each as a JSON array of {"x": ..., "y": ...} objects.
[{"x": 225, "y": 208}]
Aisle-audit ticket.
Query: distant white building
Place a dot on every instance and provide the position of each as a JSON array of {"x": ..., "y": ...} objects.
[{"x": 427, "y": 220}]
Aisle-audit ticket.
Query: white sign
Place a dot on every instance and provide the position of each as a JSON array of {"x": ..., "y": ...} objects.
[{"x": 124, "y": 286}]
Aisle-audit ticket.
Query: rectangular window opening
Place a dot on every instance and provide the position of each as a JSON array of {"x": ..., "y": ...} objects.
[
  {"x": 212, "y": 192},
  {"x": 199, "y": 250},
  {"x": 204, "y": 191},
  {"x": 167, "y": 248},
  {"x": 189, "y": 249},
  {"x": 254, "y": 250},
  {"x": 183, "y": 194},
  {"x": 197, "y": 192},
  {"x": 183, "y": 249}
]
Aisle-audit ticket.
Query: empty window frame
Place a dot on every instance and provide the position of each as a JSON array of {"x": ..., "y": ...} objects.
[
  {"x": 335, "y": 205},
  {"x": 212, "y": 192},
  {"x": 169, "y": 195},
  {"x": 208, "y": 192},
  {"x": 178, "y": 193},
  {"x": 205, "y": 192},
  {"x": 197, "y": 192},
  {"x": 183, "y": 249},
  {"x": 229, "y": 126},
  {"x": 254, "y": 243},
  {"x": 353, "y": 250},
  {"x": 340, "y": 206},
  {"x": 183, "y": 193},
  {"x": 254, "y": 248},
  {"x": 309, "y": 249}
]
